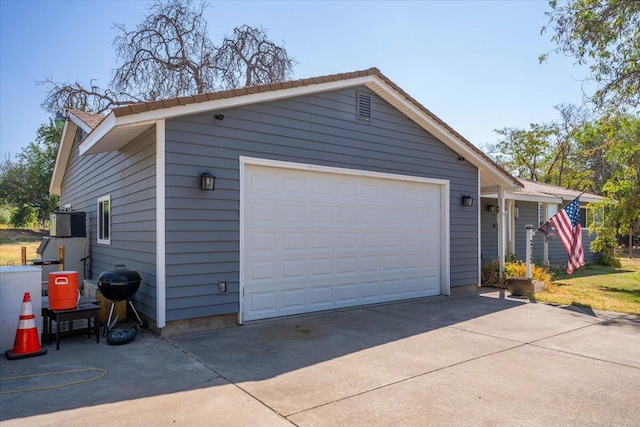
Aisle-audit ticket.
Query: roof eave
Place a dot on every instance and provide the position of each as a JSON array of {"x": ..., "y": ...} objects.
[
  {"x": 104, "y": 137},
  {"x": 62, "y": 156}
]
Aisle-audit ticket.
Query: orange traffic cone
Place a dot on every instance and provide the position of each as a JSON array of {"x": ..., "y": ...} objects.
[{"x": 27, "y": 343}]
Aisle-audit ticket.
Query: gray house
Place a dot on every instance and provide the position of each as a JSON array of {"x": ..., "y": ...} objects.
[
  {"x": 330, "y": 192},
  {"x": 534, "y": 203}
]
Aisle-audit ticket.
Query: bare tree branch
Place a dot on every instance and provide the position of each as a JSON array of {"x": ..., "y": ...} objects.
[
  {"x": 78, "y": 97},
  {"x": 169, "y": 54},
  {"x": 249, "y": 58}
]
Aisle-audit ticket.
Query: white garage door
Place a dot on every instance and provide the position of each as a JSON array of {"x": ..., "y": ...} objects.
[{"x": 324, "y": 238}]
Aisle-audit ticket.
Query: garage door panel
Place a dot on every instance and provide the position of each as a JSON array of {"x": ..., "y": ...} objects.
[
  {"x": 348, "y": 292},
  {"x": 320, "y": 295},
  {"x": 294, "y": 213},
  {"x": 316, "y": 240},
  {"x": 294, "y": 242},
  {"x": 293, "y": 185},
  {"x": 293, "y": 299},
  {"x": 262, "y": 302},
  {"x": 294, "y": 269}
]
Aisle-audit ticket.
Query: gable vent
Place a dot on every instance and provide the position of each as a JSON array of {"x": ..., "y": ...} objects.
[{"x": 363, "y": 106}]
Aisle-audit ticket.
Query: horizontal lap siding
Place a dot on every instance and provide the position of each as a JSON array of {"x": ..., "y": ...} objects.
[
  {"x": 203, "y": 226},
  {"x": 527, "y": 214},
  {"x": 128, "y": 176},
  {"x": 489, "y": 231},
  {"x": 557, "y": 253}
]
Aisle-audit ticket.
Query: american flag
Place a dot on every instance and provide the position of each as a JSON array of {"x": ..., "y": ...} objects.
[
  {"x": 567, "y": 226},
  {"x": 547, "y": 230}
]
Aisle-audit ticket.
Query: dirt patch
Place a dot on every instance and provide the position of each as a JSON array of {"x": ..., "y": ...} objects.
[{"x": 8, "y": 236}]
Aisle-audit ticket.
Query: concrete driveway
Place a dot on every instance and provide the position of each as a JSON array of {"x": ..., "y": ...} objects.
[{"x": 473, "y": 359}]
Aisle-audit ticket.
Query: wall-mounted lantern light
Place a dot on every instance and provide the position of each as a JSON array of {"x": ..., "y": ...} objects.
[
  {"x": 467, "y": 201},
  {"x": 493, "y": 208},
  {"x": 207, "y": 181}
]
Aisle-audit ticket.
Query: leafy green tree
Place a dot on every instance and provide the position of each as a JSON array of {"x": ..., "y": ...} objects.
[
  {"x": 525, "y": 153},
  {"x": 605, "y": 35},
  {"x": 623, "y": 151},
  {"x": 26, "y": 181},
  {"x": 590, "y": 141},
  {"x": 545, "y": 152},
  {"x": 25, "y": 216},
  {"x": 5, "y": 214},
  {"x": 605, "y": 242}
]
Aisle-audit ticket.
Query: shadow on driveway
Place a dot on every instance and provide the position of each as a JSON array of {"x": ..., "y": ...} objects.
[{"x": 289, "y": 365}]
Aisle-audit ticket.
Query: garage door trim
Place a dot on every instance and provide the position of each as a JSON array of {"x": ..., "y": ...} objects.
[{"x": 444, "y": 199}]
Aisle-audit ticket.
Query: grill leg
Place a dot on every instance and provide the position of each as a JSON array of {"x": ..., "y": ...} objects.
[
  {"x": 108, "y": 325},
  {"x": 135, "y": 312},
  {"x": 113, "y": 303}
]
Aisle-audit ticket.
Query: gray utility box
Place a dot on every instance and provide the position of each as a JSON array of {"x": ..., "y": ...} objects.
[{"x": 68, "y": 224}]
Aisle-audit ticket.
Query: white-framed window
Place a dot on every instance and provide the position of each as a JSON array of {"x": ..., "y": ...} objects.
[
  {"x": 546, "y": 211},
  {"x": 590, "y": 215},
  {"x": 541, "y": 214},
  {"x": 104, "y": 220}
]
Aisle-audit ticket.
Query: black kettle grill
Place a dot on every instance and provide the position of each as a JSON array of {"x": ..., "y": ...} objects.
[{"x": 119, "y": 285}]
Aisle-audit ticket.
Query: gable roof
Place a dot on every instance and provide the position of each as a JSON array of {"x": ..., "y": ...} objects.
[
  {"x": 566, "y": 194},
  {"x": 124, "y": 124},
  {"x": 87, "y": 121},
  {"x": 534, "y": 191},
  {"x": 75, "y": 119}
]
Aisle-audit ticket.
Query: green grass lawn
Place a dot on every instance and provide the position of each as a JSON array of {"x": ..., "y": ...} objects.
[
  {"x": 11, "y": 242},
  {"x": 598, "y": 287}
]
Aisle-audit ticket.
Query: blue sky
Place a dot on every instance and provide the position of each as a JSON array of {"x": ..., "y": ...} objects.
[{"x": 472, "y": 63}]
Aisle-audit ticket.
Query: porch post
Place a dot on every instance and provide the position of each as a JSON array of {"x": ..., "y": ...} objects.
[
  {"x": 501, "y": 231},
  {"x": 529, "y": 249}
]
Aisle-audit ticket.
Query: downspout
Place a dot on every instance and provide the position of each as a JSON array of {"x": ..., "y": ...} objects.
[{"x": 160, "y": 226}]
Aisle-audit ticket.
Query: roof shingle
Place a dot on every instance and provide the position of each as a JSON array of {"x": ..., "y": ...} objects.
[{"x": 90, "y": 119}]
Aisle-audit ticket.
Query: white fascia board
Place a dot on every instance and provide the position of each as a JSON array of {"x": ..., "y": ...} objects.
[
  {"x": 442, "y": 133},
  {"x": 62, "y": 157},
  {"x": 584, "y": 198},
  {"x": 103, "y": 128},
  {"x": 82, "y": 125},
  {"x": 161, "y": 294},
  {"x": 524, "y": 197},
  {"x": 218, "y": 104},
  {"x": 445, "y": 257}
]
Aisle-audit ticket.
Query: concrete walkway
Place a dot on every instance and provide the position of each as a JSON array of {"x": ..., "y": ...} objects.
[{"x": 479, "y": 359}]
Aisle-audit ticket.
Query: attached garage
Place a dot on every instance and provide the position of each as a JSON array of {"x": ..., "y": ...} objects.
[
  {"x": 330, "y": 192},
  {"x": 318, "y": 238}
]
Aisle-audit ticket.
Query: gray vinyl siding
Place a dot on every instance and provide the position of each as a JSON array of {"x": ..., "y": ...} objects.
[
  {"x": 202, "y": 227},
  {"x": 557, "y": 253},
  {"x": 489, "y": 231},
  {"x": 527, "y": 214},
  {"x": 128, "y": 176}
]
